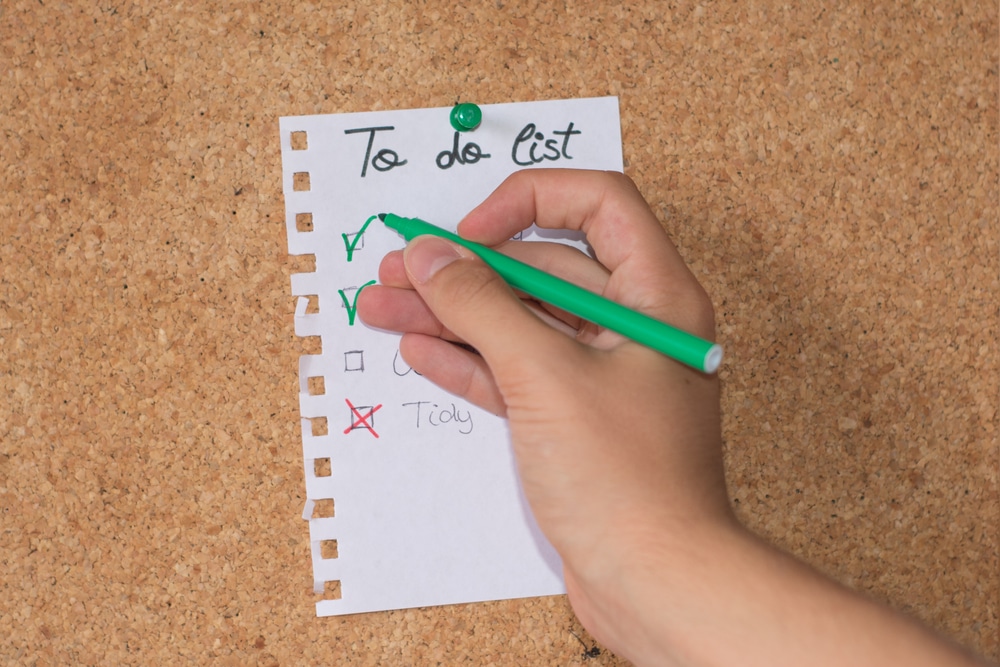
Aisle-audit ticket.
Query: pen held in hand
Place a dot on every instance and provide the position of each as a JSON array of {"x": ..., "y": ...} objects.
[{"x": 698, "y": 353}]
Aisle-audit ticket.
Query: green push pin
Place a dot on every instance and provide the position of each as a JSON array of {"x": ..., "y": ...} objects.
[{"x": 466, "y": 117}]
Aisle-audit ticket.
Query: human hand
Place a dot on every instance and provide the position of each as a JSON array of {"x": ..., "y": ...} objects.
[{"x": 617, "y": 445}]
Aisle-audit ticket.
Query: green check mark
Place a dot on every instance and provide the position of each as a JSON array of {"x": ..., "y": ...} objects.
[
  {"x": 352, "y": 306},
  {"x": 352, "y": 244}
]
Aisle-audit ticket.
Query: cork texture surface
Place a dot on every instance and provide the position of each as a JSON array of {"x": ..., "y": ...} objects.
[{"x": 830, "y": 172}]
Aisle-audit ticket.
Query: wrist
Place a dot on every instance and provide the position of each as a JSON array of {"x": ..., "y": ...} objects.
[{"x": 651, "y": 600}]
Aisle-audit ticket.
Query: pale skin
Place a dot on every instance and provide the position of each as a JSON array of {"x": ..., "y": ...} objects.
[{"x": 618, "y": 447}]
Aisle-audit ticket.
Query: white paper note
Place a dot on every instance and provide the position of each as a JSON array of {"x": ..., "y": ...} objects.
[{"x": 427, "y": 508}]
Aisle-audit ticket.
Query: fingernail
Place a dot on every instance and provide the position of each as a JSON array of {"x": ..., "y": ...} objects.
[{"x": 426, "y": 255}]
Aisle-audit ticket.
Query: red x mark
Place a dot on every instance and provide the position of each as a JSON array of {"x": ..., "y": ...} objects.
[{"x": 362, "y": 419}]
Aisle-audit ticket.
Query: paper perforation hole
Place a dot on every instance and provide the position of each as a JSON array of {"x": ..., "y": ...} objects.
[
  {"x": 312, "y": 307},
  {"x": 312, "y": 344},
  {"x": 303, "y": 222},
  {"x": 321, "y": 467},
  {"x": 328, "y": 549},
  {"x": 300, "y": 181},
  {"x": 319, "y": 426},
  {"x": 323, "y": 508},
  {"x": 300, "y": 140},
  {"x": 302, "y": 263},
  {"x": 316, "y": 385},
  {"x": 331, "y": 590}
]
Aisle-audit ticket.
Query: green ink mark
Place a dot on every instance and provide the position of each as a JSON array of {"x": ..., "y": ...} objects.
[
  {"x": 351, "y": 245},
  {"x": 352, "y": 307}
]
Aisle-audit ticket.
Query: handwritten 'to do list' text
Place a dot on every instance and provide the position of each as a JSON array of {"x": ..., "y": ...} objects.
[{"x": 530, "y": 147}]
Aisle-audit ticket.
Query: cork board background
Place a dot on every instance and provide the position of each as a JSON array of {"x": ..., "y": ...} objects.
[{"x": 830, "y": 171}]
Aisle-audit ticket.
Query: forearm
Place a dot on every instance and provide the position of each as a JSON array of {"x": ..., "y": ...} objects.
[{"x": 728, "y": 598}]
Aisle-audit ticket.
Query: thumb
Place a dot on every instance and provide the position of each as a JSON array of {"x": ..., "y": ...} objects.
[{"x": 475, "y": 303}]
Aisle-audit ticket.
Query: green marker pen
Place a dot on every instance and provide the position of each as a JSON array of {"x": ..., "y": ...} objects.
[{"x": 689, "y": 349}]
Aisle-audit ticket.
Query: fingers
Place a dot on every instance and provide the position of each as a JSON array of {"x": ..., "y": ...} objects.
[
  {"x": 648, "y": 273},
  {"x": 605, "y": 205},
  {"x": 474, "y": 303},
  {"x": 454, "y": 369},
  {"x": 398, "y": 309},
  {"x": 394, "y": 305},
  {"x": 425, "y": 344},
  {"x": 564, "y": 261},
  {"x": 403, "y": 310},
  {"x": 391, "y": 271},
  {"x": 560, "y": 260}
]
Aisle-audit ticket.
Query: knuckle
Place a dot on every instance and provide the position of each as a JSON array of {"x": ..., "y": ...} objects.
[{"x": 689, "y": 307}]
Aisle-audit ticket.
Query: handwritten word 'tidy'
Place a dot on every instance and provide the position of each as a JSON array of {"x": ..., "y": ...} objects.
[{"x": 431, "y": 414}]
